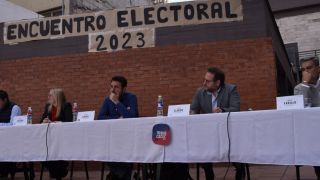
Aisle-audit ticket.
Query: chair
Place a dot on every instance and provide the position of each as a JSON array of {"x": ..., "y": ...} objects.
[
  {"x": 71, "y": 170},
  {"x": 298, "y": 172},
  {"x": 85, "y": 167},
  {"x": 28, "y": 171},
  {"x": 247, "y": 169},
  {"x": 102, "y": 170},
  {"x": 146, "y": 169}
]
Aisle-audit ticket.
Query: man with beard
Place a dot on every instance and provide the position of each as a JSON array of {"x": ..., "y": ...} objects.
[
  {"x": 216, "y": 96},
  {"x": 119, "y": 104}
]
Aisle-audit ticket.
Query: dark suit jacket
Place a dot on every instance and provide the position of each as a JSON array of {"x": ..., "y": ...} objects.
[
  {"x": 65, "y": 114},
  {"x": 228, "y": 100}
]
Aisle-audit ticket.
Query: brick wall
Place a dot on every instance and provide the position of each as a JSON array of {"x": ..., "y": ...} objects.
[{"x": 174, "y": 71}]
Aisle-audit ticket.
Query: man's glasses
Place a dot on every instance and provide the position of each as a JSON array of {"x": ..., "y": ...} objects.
[
  {"x": 307, "y": 68},
  {"x": 207, "y": 81}
]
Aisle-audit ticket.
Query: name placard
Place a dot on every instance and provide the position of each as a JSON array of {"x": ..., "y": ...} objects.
[
  {"x": 85, "y": 116},
  {"x": 20, "y": 120},
  {"x": 179, "y": 110},
  {"x": 290, "y": 102}
]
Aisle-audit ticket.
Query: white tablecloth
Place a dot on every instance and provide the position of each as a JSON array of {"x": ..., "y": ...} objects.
[{"x": 283, "y": 137}]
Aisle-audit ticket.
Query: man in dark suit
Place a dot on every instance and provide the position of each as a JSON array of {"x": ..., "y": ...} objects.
[{"x": 216, "y": 96}]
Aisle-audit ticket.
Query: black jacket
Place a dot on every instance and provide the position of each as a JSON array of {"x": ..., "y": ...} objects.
[
  {"x": 5, "y": 113},
  {"x": 65, "y": 114}
]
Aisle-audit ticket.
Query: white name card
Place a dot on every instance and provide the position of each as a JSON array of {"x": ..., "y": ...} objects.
[
  {"x": 20, "y": 121},
  {"x": 85, "y": 116},
  {"x": 290, "y": 102},
  {"x": 179, "y": 110}
]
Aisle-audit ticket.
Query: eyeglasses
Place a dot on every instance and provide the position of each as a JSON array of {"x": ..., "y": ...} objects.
[
  {"x": 207, "y": 81},
  {"x": 307, "y": 68}
]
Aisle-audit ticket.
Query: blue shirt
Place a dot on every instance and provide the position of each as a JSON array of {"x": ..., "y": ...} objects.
[
  {"x": 16, "y": 111},
  {"x": 126, "y": 108},
  {"x": 9, "y": 112}
]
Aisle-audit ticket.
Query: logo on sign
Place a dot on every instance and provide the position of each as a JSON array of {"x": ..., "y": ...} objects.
[{"x": 161, "y": 134}]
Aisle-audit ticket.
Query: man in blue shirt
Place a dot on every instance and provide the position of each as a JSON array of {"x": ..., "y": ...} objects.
[
  {"x": 8, "y": 110},
  {"x": 119, "y": 104}
]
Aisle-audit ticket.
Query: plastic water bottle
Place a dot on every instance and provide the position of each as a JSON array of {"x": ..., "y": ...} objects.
[
  {"x": 29, "y": 115},
  {"x": 160, "y": 106},
  {"x": 75, "y": 111}
]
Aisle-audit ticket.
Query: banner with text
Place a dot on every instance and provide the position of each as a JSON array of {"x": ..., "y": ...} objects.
[
  {"x": 171, "y": 14},
  {"x": 121, "y": 40}
]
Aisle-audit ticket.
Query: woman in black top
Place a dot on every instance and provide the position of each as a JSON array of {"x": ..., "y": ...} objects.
[{"x": 57, "y": 110}]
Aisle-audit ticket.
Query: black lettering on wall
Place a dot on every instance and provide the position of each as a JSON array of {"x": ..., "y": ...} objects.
[
  {"x": 67, "y": 26},
  {"x": 88, "y": 22},
  {"x": 134, "y": 18},
  {"x": 201, "y": 9},
  {"x": 33, "y": 23},
  {"x": 175, "y": 10},
  {"x": 147, "y": 16},
  {"x": 10, "y": 32},
  {"x": 121, "y": 19},
  {"x": 188, "y": 11},
  {"x": 160, "y": 19},
  {"x": 44, "y": 28},
  {"x": 23, "y": 30},
  {"x": 55, "y": 26},
  {"x": 229, "y": 14},
  {"x": 101, "y": 22},
  {"x": 78, "y": 20},
  {"x": 216, "y": 9}
]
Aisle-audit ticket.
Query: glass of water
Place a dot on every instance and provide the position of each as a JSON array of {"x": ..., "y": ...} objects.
[{"x": 307, "y": 102}]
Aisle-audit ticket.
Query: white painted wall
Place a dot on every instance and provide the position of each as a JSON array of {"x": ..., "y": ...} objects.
[
  {"x": 81, "y": 6},
  {"x": 41, "y": 5},
  {"x": 20, "y": 13},
  {"x": 303, "y": 29}
]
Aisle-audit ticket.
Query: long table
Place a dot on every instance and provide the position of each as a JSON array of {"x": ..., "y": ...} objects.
[{"x": 284, "y": 137}]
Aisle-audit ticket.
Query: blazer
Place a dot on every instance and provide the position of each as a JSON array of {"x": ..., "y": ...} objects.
[
  {"x": 65, "y": 114},
  {"x": 228, "y": 100}
]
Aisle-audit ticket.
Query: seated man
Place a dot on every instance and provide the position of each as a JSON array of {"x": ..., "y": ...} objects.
[
  {"x": 216, "y": 96},
  {"x": 310, "y": 87},
  {"x": 119, "y": 104},
  {"x": 8, "y": 110}
]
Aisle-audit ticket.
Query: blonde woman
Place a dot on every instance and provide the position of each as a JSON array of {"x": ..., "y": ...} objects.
[{"x": 57, "y": 110}]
